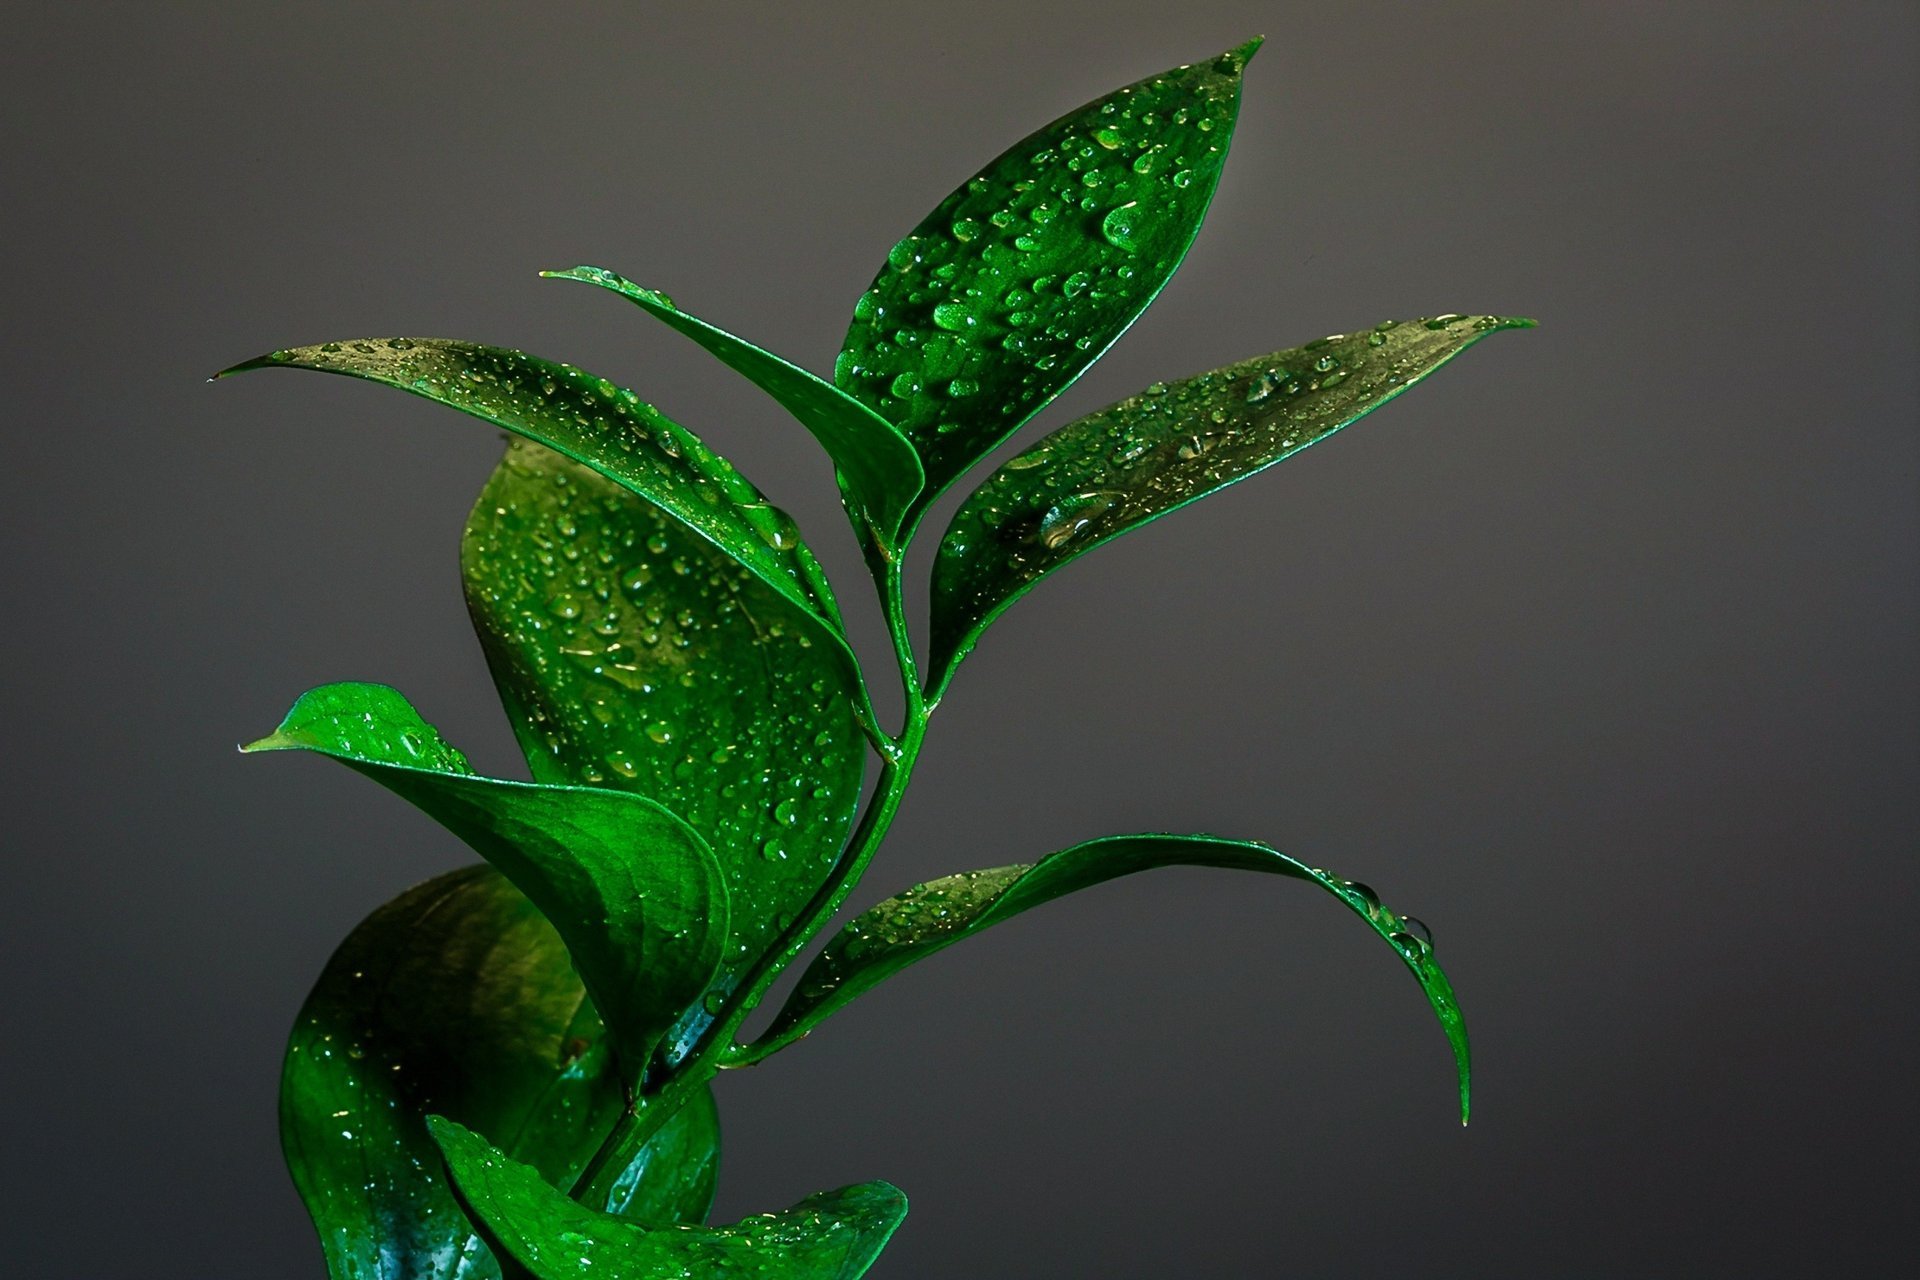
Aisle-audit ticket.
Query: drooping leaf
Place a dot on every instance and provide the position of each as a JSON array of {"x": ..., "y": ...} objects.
[
  {"x": 457, "y": 997},
  {"x": 634, "y": 656},
  {"x": 879, "y": 470},
  {"x": 835, "y": 1235},
  {"x": 1020, "y": 279},
  {"x": 631, "y": 888},
  {"x": 929, "y": 917},
  {"x": 608, "y": 428},
  {"x": 1098, "y": 477}
]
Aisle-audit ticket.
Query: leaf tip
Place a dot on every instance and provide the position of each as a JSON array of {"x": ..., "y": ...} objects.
[
  {"x": 258, "y": 362},
  {"x": 1243, "y": 54}
]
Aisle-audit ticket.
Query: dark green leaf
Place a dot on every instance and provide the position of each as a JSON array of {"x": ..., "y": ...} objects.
[
  {"x": 1021, "y": 278},
  {"x": 892, "y": 935},
  {"x": 835, "y": 1235},
  {"x": 634, "y": 656},
  {"x": 1098, "y": 477},
  {"x": 457, "y": 997},
  {"x": 604, "y": 426},
  {"x": 879, "y": 470},
  {"x": 631, "y": 888}
]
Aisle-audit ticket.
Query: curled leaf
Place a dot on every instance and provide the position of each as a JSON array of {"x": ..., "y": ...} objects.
[
  {"x": 835, "y": 1235},
  {"x": 930, "y": 917},
  {"x": 631, "y": 889}
]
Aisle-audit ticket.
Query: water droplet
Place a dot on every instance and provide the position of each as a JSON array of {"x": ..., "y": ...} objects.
[
  {"x": 960, "y": 388},
  {"x": 953, "y": 316},
  {"x": 1075, "y": 284},
  {"x": 660, "y": 731},
  {"x": 1183, "y": 179},
  {"x": 774, "y": 850},
  {"x": 903, "y": 255},
  {"x": 965, "y": 229},
  {"x": 1121, "y": 226},
  {"x": 905, "y": 386},
  {"x": 1108, "y": 138},
  {"x": 623, "y": 764},
  {"x": 1441, "y": 322}
]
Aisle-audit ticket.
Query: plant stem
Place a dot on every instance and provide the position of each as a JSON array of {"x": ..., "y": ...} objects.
[{"x": 645, "y": 1115}]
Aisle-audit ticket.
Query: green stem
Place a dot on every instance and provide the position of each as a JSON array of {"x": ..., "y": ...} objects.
[{"x": 716, "y": 1048}]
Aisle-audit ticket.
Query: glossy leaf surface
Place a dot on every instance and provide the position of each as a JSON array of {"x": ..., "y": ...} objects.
[
  {"x": 929, "y": 917},
  {"x": 457, "y": 997},
  {"x": 1020, "y": 279},
  {"x": 607, "y": 427},
  {"x": 631, "y": 888},
  {"x": 1096, "y": 478},
  {"x": 634, "y": 656},
  {"x": 831, "y": 1236},
  {"x": 879, "y": 470}
]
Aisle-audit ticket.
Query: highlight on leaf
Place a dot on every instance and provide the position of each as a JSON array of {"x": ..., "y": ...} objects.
[
  {"x": 835, "y": 1235},
  {"x": 632, "y": 889},
  {"x": 930, "y": 917},
  {"x": 1022, "y": 278},
  {"x": 1132, "y": 462}
]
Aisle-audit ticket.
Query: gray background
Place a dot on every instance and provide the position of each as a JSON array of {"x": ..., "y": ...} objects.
[{"x": 1597, "y": 652}]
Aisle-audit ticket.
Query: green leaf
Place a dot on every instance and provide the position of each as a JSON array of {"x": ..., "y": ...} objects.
[
  {"x": 1024, "y": 276},
  {"x": 913, "y": 925},
  {"x": 1098, "y": 477},
  {"x": 634, "y": 656},
  {"x": 631, "y": 888},
  {"x": 879, "y": 470},
  {"x": 604, "y": 426},
  {"x": 835, "y": 1235},
  {"x": 457, "y": 997}
]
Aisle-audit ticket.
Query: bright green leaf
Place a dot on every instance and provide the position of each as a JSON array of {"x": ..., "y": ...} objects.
[
  {"x": 631, "y": 888},
  {"x": 632, "y": 655},
  {"x": 1020, "y": 279},
  {"x": 835, "y": 1235},
  {"x": 457, "y": 997},
  {"x": 913, "y": 925},
  {"x": 879, "y": 470},
  {"x": 1098, "y": 477},
  {"x": 604, "y": 426}
]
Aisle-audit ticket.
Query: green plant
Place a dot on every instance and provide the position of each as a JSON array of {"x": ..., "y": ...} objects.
[{"x": 506, "y": 1070}]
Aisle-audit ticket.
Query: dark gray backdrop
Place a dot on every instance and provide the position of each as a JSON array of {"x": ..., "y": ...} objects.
[{"x": 1597, "y": 652}]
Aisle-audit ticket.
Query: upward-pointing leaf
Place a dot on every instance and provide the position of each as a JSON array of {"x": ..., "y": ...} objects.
[
  {"x": 1020, "y": 279},
  {"x": 1096, "y": 478},
  {"x": 604, "y": 426},
  {"x": 458, "y": 997},
  {"x": 879, "y": 471},
  {"x": 632, "y": 655},
  {"x": 835, "y": 1235},
  {"x": 631, "y": 889},
  {"x": 931, "y": 917}
]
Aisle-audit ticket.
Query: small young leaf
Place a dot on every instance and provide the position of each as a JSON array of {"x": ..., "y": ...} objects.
[
  {"x": 631, "y": 888},
  {"x": 1020, "y": 279},
  {"x": 879, "y": 470},
  {"x": 835, "y": 1235},
  {"x": 457, "y": 997},
  {"x": 604, "y": 426},
  {"x": 1096, "y": 478},
  {"x": 929, "y": 917},
  {"x": 634, "y": 656}
]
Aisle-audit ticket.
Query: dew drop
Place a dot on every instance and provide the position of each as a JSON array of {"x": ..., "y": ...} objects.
[
  {"x": 1121, "y": 226},
  {"x": 953, "y": 317}
]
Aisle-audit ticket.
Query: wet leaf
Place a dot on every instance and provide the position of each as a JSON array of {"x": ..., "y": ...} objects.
[
  {"x": 634, "y": 656},
  {"x": 1112, "y": 471},
  {"x": 1020, "y": 279},
  {"x": 879, "y": 471},
  {"x": 913, "y": 925},
  {"x": 457, "y": 997},
  {"x": 835, "y": 1235},
  {"x": 631, "y": 888},
  {"x": 604, "y": 426}
]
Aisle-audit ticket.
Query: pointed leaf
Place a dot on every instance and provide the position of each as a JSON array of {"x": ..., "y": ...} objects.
[
  {"x": 1021, "y": 278},
  {"x": 604, "y": 426},
  {"x": 1098, "y": 477},
  {"x": 457, "y": 997},
  {"x": 630, "y": 887},
  {"x": 835, "y": 1235},
  {"x": 634, "y": 656},
  {"x": 929, "y": 917},
  {"x": 879, "y": 470}
]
